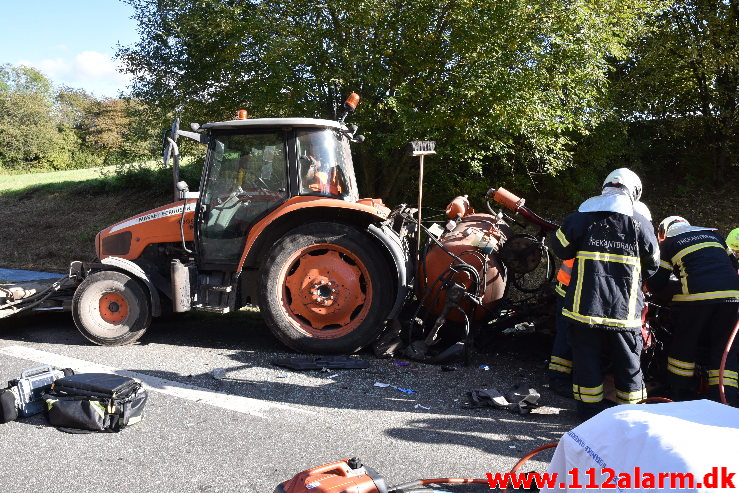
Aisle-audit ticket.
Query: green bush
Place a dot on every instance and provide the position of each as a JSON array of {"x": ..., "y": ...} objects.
[{"x": 144, "y": 176}]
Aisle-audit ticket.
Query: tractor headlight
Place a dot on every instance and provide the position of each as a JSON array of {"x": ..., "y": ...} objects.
[{"x": 117, "y": 244}]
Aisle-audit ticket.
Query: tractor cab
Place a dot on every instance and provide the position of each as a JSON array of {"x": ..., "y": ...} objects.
[{"x": 255, "y": 165}]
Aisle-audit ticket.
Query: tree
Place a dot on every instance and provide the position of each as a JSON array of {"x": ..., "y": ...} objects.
[
  {"x": 28, "y": 133},
  {"x": 46, "y": 128},
  {"x": 116, "y": 132},
  {"x": 503, "y": 86},
  {"x": 682, "y": 85}
]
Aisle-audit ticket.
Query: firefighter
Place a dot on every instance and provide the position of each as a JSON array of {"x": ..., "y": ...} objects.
[
  {"x": 615, "y": 249},
  {"x": 560, "y": 361},
  {"x": 705, "y": 306},
  {"x": 732, "y": 241}
]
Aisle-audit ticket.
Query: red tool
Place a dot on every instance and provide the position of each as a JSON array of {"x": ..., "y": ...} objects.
[
  {"x": 351, "y": 476},
  {"x": 347, "y": 475}
]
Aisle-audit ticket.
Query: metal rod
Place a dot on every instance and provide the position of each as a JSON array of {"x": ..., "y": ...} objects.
[
  {"x": 420, "y": 201},
  {"x": 175, "y": 167}
]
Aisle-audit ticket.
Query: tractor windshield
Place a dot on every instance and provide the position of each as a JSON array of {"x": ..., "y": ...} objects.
[{"x": 325, "y": 164}]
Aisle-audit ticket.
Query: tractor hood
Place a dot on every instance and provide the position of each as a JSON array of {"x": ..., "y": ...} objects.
[{"x": 128, "y": 239}]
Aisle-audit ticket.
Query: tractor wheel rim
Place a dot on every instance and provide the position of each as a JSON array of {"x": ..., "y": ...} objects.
[
  {"x": 326, "y": 291},
  {"x": 113, "y": 308}
]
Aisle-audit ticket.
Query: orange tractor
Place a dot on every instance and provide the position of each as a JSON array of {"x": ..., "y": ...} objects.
[{"x": 278, "y": 223}]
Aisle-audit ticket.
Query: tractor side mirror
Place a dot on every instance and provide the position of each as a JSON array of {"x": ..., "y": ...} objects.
[
  {"x": 167, "y": 146},
  {"x": 172, "y": 150}
]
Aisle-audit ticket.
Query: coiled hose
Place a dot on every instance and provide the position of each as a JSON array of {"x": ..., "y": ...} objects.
[
  {"x": 421, "y": 482},
  {"x": 722, "y": 367}
]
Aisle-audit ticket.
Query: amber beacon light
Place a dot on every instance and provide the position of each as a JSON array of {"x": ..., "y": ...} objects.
[{"x": 352, "y": 101}]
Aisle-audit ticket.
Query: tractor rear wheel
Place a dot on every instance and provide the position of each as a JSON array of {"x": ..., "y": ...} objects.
[
  {"x": 324, "y": 289},
  {"x": 111, "y": 308}
]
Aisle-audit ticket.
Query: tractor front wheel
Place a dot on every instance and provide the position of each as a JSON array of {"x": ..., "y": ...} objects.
[
  {"x": 111, "y": 309},
  {"x": 325, "y": 289}
]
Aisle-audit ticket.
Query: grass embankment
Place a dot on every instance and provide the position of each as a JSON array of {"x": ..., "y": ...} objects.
[
  {"x": 50, "y": 219},
  {"x": 14, "y": 182}
]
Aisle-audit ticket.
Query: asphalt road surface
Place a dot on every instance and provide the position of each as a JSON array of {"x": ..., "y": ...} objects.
[{"x": 263, "y": 424}]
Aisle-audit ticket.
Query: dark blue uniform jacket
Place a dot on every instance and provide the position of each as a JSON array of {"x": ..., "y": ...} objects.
[
  {"x": 699, "y": 260},
  {"x": 614, "y": 253}
]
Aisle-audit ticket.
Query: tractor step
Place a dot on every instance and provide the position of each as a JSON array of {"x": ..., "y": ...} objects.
[
  {"x": 215, "y": 292},
  {"x": 211, "y": 309}
]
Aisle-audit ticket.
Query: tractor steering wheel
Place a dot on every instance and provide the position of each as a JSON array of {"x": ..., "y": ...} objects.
[{"x": 221, "y": 201}]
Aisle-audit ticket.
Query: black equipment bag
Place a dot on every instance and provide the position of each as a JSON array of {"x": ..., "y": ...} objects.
[
  {"x": 95, "y": 402},
  {"x": 8, "y": 407}
]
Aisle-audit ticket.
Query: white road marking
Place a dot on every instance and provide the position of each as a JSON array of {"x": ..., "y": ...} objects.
[{"x": 236, "y": 403}]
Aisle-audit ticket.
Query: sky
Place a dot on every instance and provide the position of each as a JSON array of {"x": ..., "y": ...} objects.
[{"x": 73, "y": 42}]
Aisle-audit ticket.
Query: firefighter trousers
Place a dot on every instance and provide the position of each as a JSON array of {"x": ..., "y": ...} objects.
[
  {"x": 624, "y": 348},
  {"x": 697, "y": 325},
  {"x": 560, "y": 362}
]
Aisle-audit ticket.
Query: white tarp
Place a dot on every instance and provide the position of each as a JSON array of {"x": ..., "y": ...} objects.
[{"x": 698, "y": 437}]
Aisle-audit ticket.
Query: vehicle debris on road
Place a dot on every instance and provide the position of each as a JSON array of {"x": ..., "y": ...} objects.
[
  {"x": 400, "y": 389},
  {"x": 519, "y": 399}
]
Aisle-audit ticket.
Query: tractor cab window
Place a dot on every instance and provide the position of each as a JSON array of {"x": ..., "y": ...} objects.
[
  {"x": 247, "y": 177},
  {"x": 325, "y": 164}
]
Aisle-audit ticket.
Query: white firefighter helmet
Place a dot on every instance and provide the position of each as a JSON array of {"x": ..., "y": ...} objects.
[
  {"x": 626, "y": 178},
  {"x": 671, "y": 226},
  {"x": 641, "y": 208}
]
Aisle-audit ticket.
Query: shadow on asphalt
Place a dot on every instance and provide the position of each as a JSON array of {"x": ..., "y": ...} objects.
[
  {"x": 523, "y": 434},
  {"x": 251, "y": 348},
  {"x": 241, "y": 329}
]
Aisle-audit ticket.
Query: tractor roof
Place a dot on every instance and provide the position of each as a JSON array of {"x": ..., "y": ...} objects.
[{"x": 274, "y": 122}]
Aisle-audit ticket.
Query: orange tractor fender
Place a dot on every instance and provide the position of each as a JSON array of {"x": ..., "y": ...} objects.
[
  {"x": 296, "y": 209},
  {"x": 365, "y": 215}
]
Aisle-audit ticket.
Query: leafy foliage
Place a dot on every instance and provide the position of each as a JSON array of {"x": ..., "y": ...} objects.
[
  {"x": 675, "y": 98},
  {"x": 505, "y": 87},
  {"x": 46, "y": 128},
  {"x": 27, "y": 134}
]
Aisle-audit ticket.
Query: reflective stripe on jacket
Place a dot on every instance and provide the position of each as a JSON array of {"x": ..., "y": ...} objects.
[
  {"x": 614, "y": 252},
  {"x": 699, "y": 260}
]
